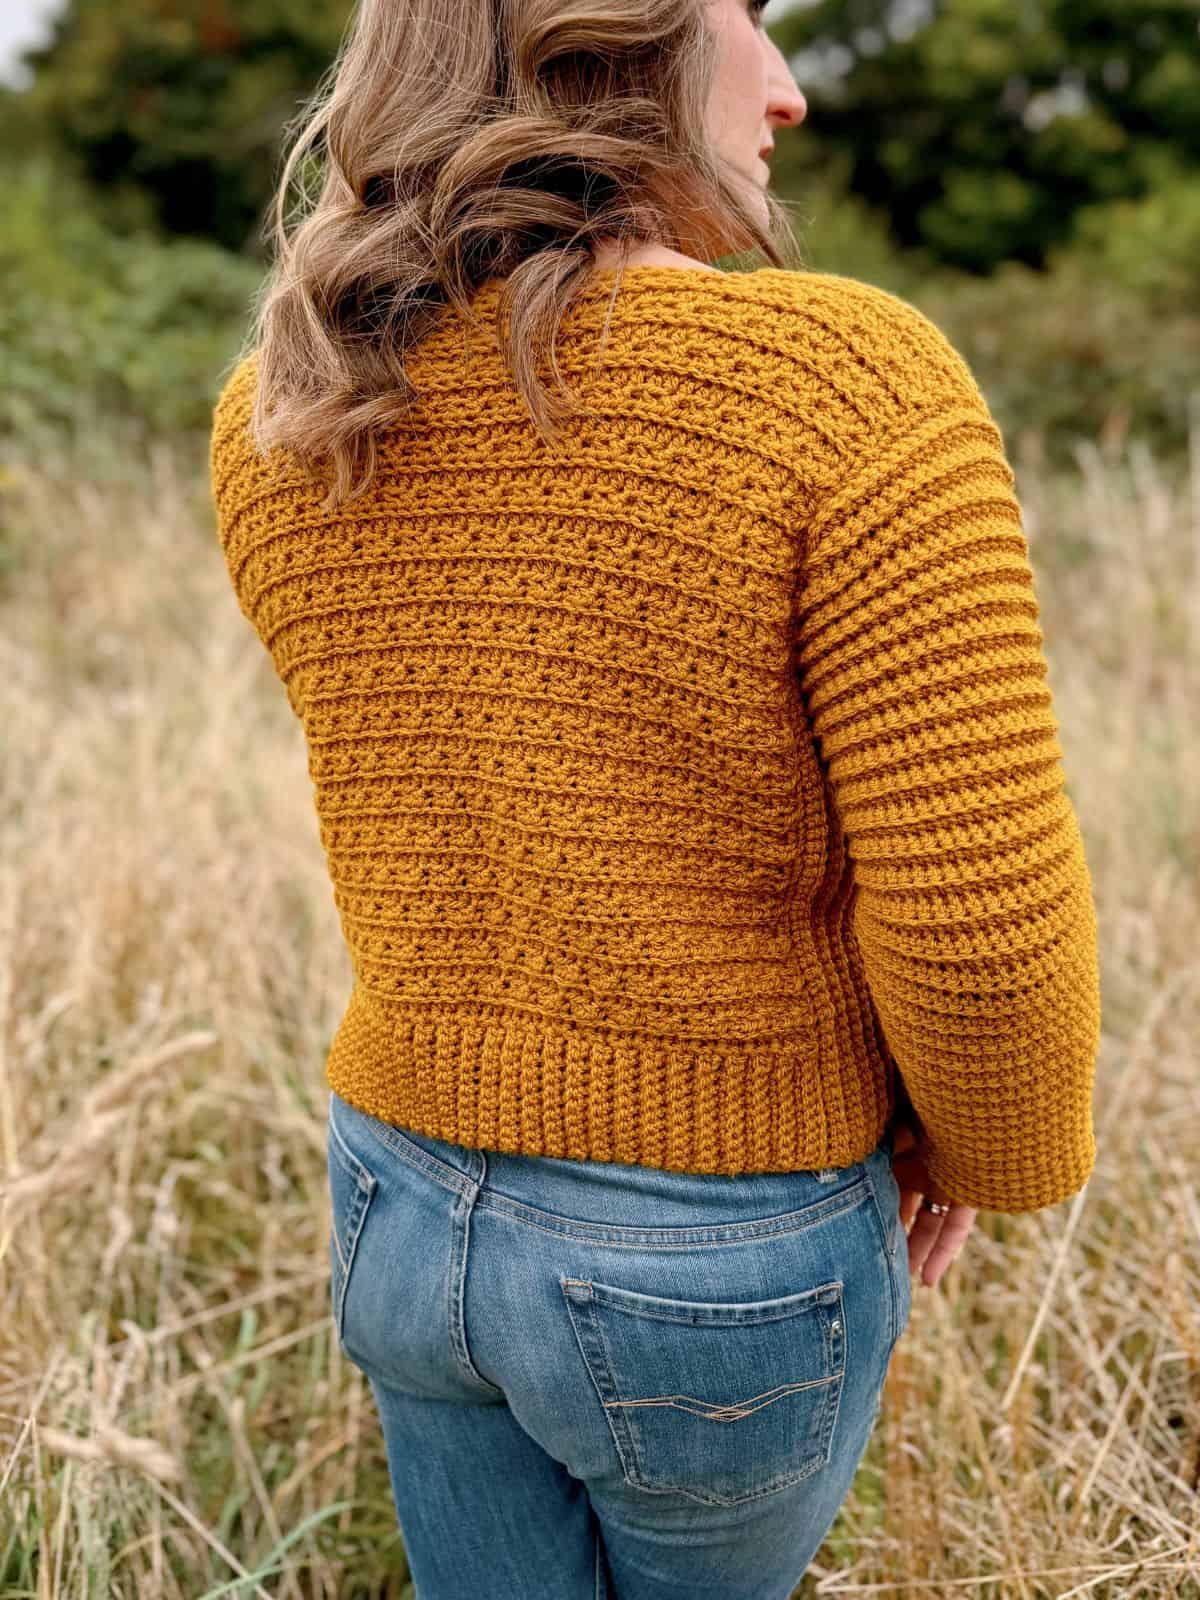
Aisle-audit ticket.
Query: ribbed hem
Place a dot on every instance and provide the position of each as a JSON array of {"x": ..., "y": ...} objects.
[{"x": 502, "y": 1082}]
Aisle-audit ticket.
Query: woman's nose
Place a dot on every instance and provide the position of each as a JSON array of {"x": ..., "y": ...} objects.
[
  {"x": 786, "y": 104},
  {"x": 790, "y": 108}
]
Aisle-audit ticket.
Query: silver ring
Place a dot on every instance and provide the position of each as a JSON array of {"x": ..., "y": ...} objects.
[{"x": 935, "y": 1206}]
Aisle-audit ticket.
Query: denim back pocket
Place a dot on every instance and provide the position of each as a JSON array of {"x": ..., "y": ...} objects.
[
  {"x": 719, "y": 1402},
  {"x": 351, "y": 1187}
]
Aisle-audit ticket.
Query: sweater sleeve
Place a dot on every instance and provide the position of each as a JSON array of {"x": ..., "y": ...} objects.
[
  {"x": 230, "y": 456},
  {"x": 243, "y": 488},
  {"x": 919, "y": 657}
]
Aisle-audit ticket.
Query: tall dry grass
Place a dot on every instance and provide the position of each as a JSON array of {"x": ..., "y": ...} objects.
[{"x": 175, "y": 1417}]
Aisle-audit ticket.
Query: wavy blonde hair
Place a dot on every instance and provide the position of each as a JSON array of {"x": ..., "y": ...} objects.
[{"x": 456, "y": 141}]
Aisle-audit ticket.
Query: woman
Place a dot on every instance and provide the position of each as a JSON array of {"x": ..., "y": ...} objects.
[{"x": 689, "y": 786}]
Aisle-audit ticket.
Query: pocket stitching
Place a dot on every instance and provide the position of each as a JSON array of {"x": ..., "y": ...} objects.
[
  {"x": 730, "y": 1413},
  {"x": 365, "y": 1184},
  {"x": 889, "y": 1259},
  {"x": 616, "y": 1410},
  {"x": 337, "y": 1245},
  {"x": 617, "y": 1425},
  {"x": 363, "y": 1195},
  {"x": 712, "y": 1313}
]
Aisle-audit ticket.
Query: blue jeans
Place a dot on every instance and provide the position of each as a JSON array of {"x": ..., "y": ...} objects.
[{"x": 605, "y": 1380}]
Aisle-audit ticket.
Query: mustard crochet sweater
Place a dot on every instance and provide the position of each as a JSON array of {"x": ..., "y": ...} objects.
[{"x": 680, "y": 789}]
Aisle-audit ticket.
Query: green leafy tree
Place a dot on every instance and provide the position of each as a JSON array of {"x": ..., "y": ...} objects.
[
  {"x": 96, "y": 322},
  {"x": 180, "y": 103},
  {"x": 985, "y": 133}
]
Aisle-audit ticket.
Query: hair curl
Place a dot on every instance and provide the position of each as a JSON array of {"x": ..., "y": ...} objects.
[{"x": 457, "y": 141}]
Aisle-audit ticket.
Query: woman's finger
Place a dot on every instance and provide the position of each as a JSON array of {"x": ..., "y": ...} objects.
[{"x": 935, "y": 1241}]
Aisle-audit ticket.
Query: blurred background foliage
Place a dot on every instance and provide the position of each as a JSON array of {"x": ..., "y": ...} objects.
[{"x": 1025, "y": 172}]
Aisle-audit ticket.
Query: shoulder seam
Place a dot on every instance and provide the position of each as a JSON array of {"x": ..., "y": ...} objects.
[{"x": 925, "y": 427}]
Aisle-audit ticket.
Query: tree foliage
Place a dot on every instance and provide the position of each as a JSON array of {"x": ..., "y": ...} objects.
[
  {"x": 986, "y": 132},
  {"x": 184, "y": 100}
]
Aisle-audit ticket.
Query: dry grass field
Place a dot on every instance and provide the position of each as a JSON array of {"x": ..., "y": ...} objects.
[{"x": 176, "y": 1419}]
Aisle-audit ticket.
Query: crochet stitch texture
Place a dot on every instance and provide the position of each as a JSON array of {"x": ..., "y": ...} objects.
[{"x": 680, "y": 788}]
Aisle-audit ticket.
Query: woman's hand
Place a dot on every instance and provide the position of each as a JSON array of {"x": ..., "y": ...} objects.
[{"x": 934, "y": 1239}]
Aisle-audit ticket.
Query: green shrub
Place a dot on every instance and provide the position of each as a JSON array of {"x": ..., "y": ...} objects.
[
  {"x": 97, "y": 321},
  {"x": 1074, "y": 353},
  {"x": 1150, "y": 245}
]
